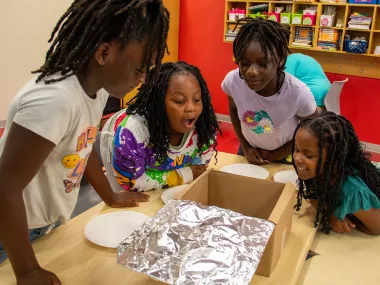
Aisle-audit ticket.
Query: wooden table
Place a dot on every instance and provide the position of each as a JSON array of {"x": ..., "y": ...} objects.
[
  {"x": 66, "y": 252},
  {"x": 347, "y": 259}
]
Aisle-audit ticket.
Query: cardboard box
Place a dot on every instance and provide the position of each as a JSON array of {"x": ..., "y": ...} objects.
[{"x": 251, "y": 197}]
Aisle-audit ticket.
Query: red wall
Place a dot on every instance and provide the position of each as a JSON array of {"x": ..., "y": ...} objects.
[{"x": 201, "y": 43}]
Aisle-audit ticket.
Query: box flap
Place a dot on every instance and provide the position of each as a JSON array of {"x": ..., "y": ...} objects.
[
  {"x": 198, "y": 190},
  {"x": 230, "y": 191},
  {"x": 287, "y": 196}
]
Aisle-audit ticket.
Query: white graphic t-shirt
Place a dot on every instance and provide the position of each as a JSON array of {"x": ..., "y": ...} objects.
[
  {"x": 65, "y": 115},
  {"x": 269, "y": 122}
]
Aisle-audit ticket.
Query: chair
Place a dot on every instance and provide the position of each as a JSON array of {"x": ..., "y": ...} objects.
[{"x": 332, "y": 99}]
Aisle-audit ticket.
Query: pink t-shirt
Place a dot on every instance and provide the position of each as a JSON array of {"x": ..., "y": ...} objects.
[{"x": 269, "y": 122}]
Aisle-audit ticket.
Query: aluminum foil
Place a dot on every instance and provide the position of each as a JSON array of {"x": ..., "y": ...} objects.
[{"x": 188, "y": 243}]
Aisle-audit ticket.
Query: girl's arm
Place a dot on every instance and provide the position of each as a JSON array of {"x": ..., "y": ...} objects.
[
  {"x": 23, "y": 155},
  {"x": 133, "y": 160},
  {"x": 370, "y": 220},
  {"x": 95, "y": 176}
]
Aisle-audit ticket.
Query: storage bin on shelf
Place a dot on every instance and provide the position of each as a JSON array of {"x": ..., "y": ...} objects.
[
  {"x": 297, "y": 18},
  {"x": 355, "y": 46},
  {"x": 309, "y": 19},
  {"x": 286, "y": 18},
  {"x": 259, "y": 15},
  {"x": 362, "y": 1},
  {"x": 327, "y": 20},
  {"x": 274, "y": 17}
]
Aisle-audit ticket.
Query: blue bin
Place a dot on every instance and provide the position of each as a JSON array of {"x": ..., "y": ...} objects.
[
  {"x": 355, "y": 46},
  {"x": 364, "y": 1}
]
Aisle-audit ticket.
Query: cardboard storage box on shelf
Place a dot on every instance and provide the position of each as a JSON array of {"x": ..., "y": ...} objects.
[{"x": 251, "y": 197}]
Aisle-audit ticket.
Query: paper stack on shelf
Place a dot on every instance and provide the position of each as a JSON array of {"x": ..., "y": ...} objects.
[
  {"x": 303, "y": 37},
  {"x": 232, "y": 30},
  {"x": 360, "y": 21},
  {"x": 328, "y": 39}
]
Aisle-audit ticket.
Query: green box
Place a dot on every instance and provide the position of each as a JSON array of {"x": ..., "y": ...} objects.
[
  {"x": 286, "y": 18},
  {"x": 258, "y": 15},
  {"x": 297, "y": 18}
]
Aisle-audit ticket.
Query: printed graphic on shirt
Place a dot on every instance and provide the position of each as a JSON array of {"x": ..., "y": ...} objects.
[
  {"x": 259, "y": 122},
  {"x": 77, "y": 162},
  {"x": 133, "y": 159},
  {"x": 70, "y": 161}
]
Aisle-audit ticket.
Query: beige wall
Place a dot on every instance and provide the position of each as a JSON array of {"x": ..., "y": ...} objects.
[{"x": 25, "y": 27}]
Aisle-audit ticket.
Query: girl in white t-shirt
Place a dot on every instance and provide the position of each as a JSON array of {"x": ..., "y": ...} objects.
[
  {"x": 265, "y": 102},
  {"x": 98, "y": 48}
]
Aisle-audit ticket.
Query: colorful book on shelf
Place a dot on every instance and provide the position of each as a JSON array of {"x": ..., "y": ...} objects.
[
  {"x": 233, "y": 28},
  {"x": 303, "y": 37},
  {"x": 360, "y": 27}
]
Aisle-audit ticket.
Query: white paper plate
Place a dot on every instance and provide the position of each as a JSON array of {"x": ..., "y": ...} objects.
[
  {"x": 245, "y": 169},
  {"x": 169, "y": 194},
  {"x": 286, "y": 176},
  {"x": 110, "y": 229}
]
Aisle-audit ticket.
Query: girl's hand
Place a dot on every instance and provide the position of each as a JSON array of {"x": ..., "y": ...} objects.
[
  {"x": 341, "y": 226},
  {"x": 267, "y": 155},
  {"x": 38, "y": 277},
  {"x": 198, "y": 170},
  {"x": 128, "y": 199},
  {"x": 254, "y": 156}
]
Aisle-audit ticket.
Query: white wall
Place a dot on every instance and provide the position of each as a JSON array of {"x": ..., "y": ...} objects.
[{"x": 25, "y": 27}]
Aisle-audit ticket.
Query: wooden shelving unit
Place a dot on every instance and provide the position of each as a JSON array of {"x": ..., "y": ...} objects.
[{"x": 334, "y": 61}]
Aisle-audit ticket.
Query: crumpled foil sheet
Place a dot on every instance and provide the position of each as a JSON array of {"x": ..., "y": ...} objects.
[{"x": 188, "y": 243}]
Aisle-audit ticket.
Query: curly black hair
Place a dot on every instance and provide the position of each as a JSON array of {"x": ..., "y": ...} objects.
[
  {"x": 272, "y": 36},
  {"x": 150, "y": 103},
  {"x": 345, "y": 154},
  {"x": 88, "y": 23}
]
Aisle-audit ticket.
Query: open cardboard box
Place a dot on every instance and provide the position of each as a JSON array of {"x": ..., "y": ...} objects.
[{"x": 251, "y": 197}]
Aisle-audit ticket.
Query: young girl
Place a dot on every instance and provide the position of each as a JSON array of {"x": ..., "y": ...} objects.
[
  {"x": 265, "y": 102},
  {"x": 336, "y": 174},
  {"x": 166, "y": 137},
  {"x": 98, "y": 48}
]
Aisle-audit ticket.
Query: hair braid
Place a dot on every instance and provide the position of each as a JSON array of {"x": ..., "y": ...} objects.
[
  {"x": 88, "y": 23},
  {"x": 344, "y": 154},
  {"x": 150, "y": 103},
  {"x": 272, "y": 36}
]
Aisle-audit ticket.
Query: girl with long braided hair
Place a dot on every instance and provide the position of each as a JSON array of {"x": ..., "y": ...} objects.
[
  {"x": 336, "y": 175},
  {"x": 98, "y": 48},
  {"x": 166, "y": 137},
  {"x": 265, "y": 102}
]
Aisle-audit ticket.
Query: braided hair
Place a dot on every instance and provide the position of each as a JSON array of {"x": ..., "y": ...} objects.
[
  {"x": 150, "y": 103},
  {"x": 272, "y": 36},
  {"x": 88, "y": 23},
  {"x": 344, "y": 155}
]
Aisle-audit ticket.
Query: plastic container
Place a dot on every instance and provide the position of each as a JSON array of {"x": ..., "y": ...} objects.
[
  {"x": 286, "y": 18},
  {"x": 232, "y": 16},
  {"x": 297, "y": 18},
  {"x": 362, "y": 1},
  {"x": 327, "y": 20},
  {"x": 274, "y": 17},
  {"x": 241, "y": 14},
  {"x": 309, "y": 20},
  {"x": 355, "y": 46}
]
